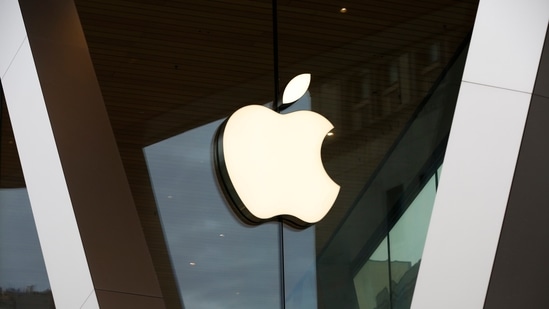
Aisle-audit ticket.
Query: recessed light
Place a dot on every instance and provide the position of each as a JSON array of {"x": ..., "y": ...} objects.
[{"x": 192, "y": 263}]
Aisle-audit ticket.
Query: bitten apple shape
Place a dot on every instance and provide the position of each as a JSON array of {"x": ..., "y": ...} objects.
[{"x": 270, "y": 165}]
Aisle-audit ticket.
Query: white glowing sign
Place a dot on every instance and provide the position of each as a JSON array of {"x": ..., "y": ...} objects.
[{"x": 270, "y": 164}]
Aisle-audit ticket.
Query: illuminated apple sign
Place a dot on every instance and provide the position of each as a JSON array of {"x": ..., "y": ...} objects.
[{"x": 270, "y": 164}]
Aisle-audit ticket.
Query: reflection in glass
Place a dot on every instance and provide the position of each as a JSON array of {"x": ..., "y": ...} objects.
[
  {"x": 379, "y": 284},
  {"x": 387, "y": 77},
  {"x": 402, "y": 173},
  {"x": 219, "y": 262},
  {"x": 300, "y": 268},
  {"x": 372, "y": 280},
  {"x": 23, "y": 279},
  {"x": 407, "y": 239}
]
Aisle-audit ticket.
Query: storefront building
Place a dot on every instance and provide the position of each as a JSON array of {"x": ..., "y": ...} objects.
[{"x": 110, "y": 196}]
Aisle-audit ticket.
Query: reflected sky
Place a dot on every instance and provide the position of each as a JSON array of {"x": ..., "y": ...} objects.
[
  {"x": 21, "y": 261},
  {"x": 219, "y": 261},
  {"x": 300, "y": 268}
]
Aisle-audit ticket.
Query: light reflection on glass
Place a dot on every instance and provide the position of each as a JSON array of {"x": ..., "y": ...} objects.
[{"x": 244, "y": 258}]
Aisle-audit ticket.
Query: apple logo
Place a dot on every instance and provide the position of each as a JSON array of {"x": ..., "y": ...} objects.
[{"x": 269, "y": 164}]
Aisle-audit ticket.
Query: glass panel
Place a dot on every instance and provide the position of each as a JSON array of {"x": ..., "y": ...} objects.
[
  {"x": 372, "y": 283},
  {"x": 300, "y": 268},
  {"x": 393, "y": 189},
  {"x": 219, "y": 262},
  {"x": 407, "y": 239},
  {"x": 23, "y": 279},
  {"x": 170, "y": 71}
]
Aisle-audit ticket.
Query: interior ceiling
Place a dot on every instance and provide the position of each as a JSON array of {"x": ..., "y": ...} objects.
[{"x": 166, "y": 66}]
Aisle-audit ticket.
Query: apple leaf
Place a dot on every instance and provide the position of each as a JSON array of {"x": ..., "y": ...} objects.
[{"x": 296, "y": 88}]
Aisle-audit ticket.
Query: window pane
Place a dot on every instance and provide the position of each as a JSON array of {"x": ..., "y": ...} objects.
[
  {"x": 219, "y": 262},
  {"x": 407, "y": 239},
  {"x": 372, "y": 283}
]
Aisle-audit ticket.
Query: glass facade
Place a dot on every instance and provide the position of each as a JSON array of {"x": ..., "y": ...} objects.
[
  {"x": 391, "y": 101},
  {"x": 385, "y": 74},
  {"x": 219, "y": 262}
]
